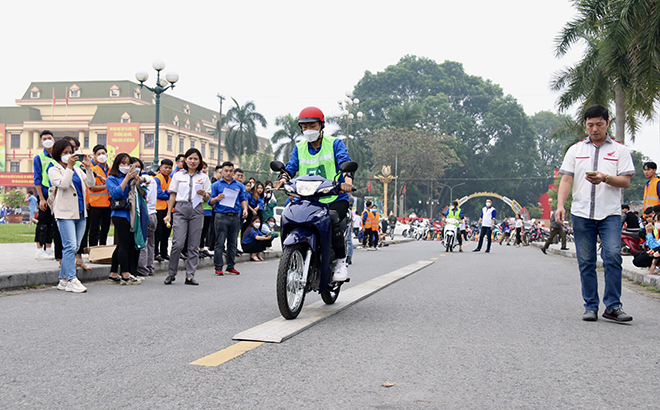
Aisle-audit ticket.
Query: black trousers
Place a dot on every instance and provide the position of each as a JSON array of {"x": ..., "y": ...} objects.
[
  {"x": 206, "y": 238},
  {"x": 254, "y": 247},
  {"x": 47, "y": 231},
  {"x": 162, "y": 235},
  {"x": 485, "y": 231},
  {"x": 338, "y": 241},
  {"x": 125, "y": 257},
  {"x": 99, "y": 225}
]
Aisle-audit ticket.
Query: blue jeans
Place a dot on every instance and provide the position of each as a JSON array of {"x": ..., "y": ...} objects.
[
  {"x": 609, "y": 231},
  {"x": 71, "y": 231}
]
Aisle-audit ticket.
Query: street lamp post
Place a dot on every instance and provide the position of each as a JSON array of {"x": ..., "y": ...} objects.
[
  {"x": 451, "y": 189},
  {"x": 345, "y": 107},
  {"x": 162, "y": 85},
  {"x": 221, "y": 98}
]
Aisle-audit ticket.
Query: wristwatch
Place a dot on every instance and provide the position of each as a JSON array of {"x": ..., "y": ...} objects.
[{"x": 607, "y": 179}]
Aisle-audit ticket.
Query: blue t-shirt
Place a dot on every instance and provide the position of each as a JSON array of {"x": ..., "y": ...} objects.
[
  {"x": 218, "y": 188},
  {"x": 33, "y": 203},
  {"x": 250, "y": 235},
  {"x": 256, "y": 203},
  {"x": 113, "y": 185},
  {"x": 79, "y": 190}
]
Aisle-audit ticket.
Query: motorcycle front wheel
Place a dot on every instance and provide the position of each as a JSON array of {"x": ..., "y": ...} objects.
[
  {"x": 290, "y": 284},
  {"x": 329, "y": 296}
]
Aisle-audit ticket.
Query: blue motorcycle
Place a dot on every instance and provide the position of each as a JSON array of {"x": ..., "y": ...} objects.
[{"x": 307, "y": 254}]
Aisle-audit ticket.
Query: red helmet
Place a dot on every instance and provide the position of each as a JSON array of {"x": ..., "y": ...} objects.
[{"x": 311, "y": 114}]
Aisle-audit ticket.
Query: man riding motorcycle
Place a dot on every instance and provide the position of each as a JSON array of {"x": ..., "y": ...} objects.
[
  {"x": 454, "y": 215},
  {"x": 322, "y": 155}
]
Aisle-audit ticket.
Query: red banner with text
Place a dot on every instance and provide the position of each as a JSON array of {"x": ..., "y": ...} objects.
[
  {"x": 123, "y": 137},
  {"x": 16, "y": 179}
]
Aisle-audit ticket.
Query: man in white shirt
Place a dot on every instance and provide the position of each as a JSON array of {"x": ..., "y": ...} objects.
[
  {"x": 487, "y": 220},
  {"x": 598, "y": 168}
]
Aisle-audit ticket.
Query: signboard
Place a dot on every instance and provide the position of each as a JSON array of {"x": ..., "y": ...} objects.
[
  {"x": 123, "y": 137},
  {"x": 16, "y": 179},
  {"x": 2, "y": 148}
]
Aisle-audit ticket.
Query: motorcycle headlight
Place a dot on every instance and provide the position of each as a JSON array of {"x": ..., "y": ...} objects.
[{"x": 307, "y": 188}]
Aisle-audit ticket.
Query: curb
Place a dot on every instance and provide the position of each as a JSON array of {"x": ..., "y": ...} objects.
[
  {"x": 49, "y": 277},
  {"x": 24, "y": 280},
  {"x": 636, "y": 276}
]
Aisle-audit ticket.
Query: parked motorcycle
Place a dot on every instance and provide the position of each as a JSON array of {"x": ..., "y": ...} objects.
[
  {"x": 307, "y": 254},
  {"x": 631, "y": 243}
]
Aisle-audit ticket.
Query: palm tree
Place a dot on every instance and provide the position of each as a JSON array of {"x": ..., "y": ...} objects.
[
  {"x": 611, "y": 67},
  {"x": 242, "y": 135},
  {"x": 286, "y": 137},
  {"x": 407, "y": 115}
]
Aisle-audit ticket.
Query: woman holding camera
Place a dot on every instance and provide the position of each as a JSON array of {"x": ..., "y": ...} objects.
[
  {"x": 123, "y": 176},
  {"x": 70, "y": 208}
]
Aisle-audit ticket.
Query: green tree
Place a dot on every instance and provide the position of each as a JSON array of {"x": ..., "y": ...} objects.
[
  {"x": 620, "y": 63},
  {"x": 285, "y": 139},
  {"x": 242, "y": 135},
  {"x": 493, "y": 138}
]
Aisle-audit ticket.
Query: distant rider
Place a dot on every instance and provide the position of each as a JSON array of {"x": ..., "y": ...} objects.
[{"x": 454, "y": 216}]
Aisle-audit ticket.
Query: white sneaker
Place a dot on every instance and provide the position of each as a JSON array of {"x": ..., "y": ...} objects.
[
  {"x": 75, "y": 286},
  {"x": 340, "y": 273},
  {"x": 50, "y": 253},
  {"x": 40, "y": 254},
  {"x": 61, "y": 285}
]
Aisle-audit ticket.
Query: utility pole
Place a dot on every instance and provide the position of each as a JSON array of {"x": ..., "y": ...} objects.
[{"x": 219, "y": 129}]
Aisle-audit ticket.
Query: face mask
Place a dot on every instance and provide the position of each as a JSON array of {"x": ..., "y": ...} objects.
[
  {"x": 488, "y": 204},
  {"x": 257, "y": 225},
  {"x": 271, "y": 224},
  {"x": 124, "y": 169},
  {"x": 657, "y": 225},
  {"x": 48, "y": 143},
  {"x": 102, "y": 159},
  {"x": 65, "y": 158},
  {"x": 311, "y": 135}
]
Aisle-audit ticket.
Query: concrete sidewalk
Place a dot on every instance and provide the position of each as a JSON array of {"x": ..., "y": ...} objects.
[
  {"x": 632, "y": 272},
  {"x": 19, "y": 269}
]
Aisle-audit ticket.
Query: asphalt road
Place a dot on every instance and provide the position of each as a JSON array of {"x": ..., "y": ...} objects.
[{"x": 472, "y": 331}]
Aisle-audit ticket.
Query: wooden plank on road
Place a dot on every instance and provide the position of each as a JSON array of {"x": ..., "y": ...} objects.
[{"x": 280, "y": 329}]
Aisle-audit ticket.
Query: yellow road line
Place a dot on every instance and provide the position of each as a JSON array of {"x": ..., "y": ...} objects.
[
  {"x": 225, "y": 355},
  {"x": 435, "y": 259}
]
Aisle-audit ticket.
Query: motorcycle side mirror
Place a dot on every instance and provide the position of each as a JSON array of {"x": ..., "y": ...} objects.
[
  {"x": 348, "y": 166},
  {"x": 277, "y": 166}
]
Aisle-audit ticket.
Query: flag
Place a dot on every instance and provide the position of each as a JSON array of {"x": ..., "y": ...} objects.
[
  {"x": 66, "y": 93},
  {"x": 369, "y": 187},
  {"x": 404, "y": 189}
]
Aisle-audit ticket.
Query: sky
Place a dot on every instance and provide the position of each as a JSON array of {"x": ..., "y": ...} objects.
[{"x": 285, "y": 55}]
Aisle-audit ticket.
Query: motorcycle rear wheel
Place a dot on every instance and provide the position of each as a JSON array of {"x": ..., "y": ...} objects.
[{"x": 290, "y": 288}]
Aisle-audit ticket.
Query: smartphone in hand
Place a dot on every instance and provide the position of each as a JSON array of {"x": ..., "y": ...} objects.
[{"x": 591, "y": 173}]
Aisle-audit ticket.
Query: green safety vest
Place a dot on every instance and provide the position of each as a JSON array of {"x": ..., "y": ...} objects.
[
  {"x": 323, "y": 163},
  {"x": 45, "y": 161},
  {"x": 454, "y": 213}
]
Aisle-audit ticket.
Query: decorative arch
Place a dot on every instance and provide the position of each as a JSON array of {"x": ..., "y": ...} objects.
[{"x": 515, "y": 206}]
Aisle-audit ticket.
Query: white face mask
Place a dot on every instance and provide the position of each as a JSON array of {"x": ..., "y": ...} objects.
[
  {"x": 48, "y": 143},
  {"x": 65, "y": 158},
  {"x": 124, "y": 169},
  {"x": 488, "y": 204},
  {"x": 311, "y": 135},
  {"x": 257, "y": 225},
  {"x": 657, "y": 225},
  {"x": 271, "y": 224},
  {"x": 102, "y": 159}
]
